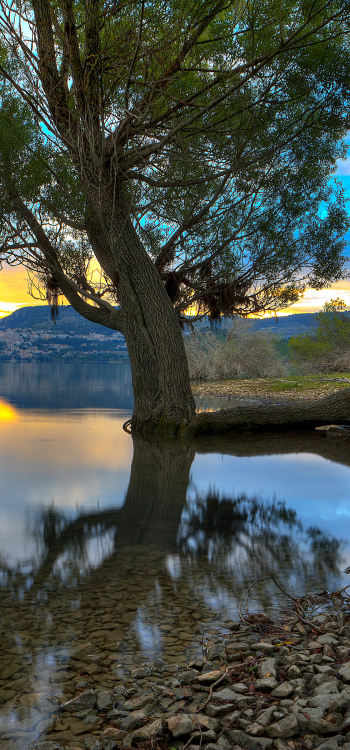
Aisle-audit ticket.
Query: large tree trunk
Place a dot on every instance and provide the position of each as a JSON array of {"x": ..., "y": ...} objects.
[{"x": 163, "y": 400}]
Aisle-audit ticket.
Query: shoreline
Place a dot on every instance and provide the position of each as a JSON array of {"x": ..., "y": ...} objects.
[
  {"x": 271, "y": 390},
  {"x": 263, "y": 683}
]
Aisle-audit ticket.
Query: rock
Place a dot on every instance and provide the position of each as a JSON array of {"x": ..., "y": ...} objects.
[
  {"x": 87, "y": 699},
  {"x": 344, "y": 672},
  {"x": 133, "y": 721},
  {"x": 246, "y": 741},
  {"x": 331, "y": 744},
  {"x": 158, "y": 665},
  {"x": 223, "y": 743},
  {"x": 229, "y": 719},
  {"x": 321, "y": 726},
  {"x": 112, "y": 734},
  {"x": 240, "y": 687},
  {"x": 217, "y": 711},
  {"x": 266, "y": 684},
  {"x": 326, "y": 639},
  {"x": 208, "y": 677},
  {"x": 294, "y": 671},
  {"x": 48, "y": 745},
  {"x": 215, "y": 651},
  {"x": 203, "y": 737},
  {"x": 104, "y": 701},
  {"x": 255, "y": 730},
  {"x": 145, "y": 734},
  {"x": 280, "y": 745},
  {"x": 327, "y": 687},
  {"x": 136, "y": 703},
  {"x": 264, "y": 717},
  {"x": 189, "y": 675},
  {"x": 324, "y": 669},
  {"x": 206, "y": 722},
  {"x": 180, "y": 725},
  {"x": 321, "y": 701},
  {"x": 267, "y": 668},
  {"x": 262, "y": 646},
  {"x": 320, "y": 679},
  {"x": 284, "y": 728},
  {"x": 141, "y": 672},
  {"x": 283, "y": 690},
  {"x": 92, "y": 743},
  {"x": 346, "y": 724},
  {"x": 228, "y": 695},
  {"x": 238, "y": 646},
  {"x": 302, "y": 720},
  {"x": 340, "y": 702},
  {"x": 117, "y": 713}
]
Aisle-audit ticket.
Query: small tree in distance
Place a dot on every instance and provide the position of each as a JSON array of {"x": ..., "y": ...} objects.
[
  {"x": 186, "y": 147},
  {"x": 327, "y": 349}
]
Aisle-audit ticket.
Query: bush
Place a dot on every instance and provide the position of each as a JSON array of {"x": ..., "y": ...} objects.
[
  {"x": 328, "y": 348},
  {"x": 242, "y": 354}
]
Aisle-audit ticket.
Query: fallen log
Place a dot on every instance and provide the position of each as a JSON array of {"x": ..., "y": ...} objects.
[{"x": 258, "y": 417}]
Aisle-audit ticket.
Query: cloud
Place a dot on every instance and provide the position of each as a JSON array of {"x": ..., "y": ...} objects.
[
  {"x": 14, "y": 290},
  {"x": 343, "y": 167}
]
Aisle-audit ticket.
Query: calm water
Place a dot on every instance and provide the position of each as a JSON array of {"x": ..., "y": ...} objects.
[{"x": 134, "y": 549}]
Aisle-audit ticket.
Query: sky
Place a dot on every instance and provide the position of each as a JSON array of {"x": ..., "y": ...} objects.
[{"x": 14, "y": 286}]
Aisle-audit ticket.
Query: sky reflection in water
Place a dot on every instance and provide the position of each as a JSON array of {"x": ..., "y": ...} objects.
[
  {"x": 78, "y": 459},
  {"x": 135, "y": 548}
]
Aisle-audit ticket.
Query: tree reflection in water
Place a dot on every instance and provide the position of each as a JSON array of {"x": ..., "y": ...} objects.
[
  {"x": 226, "y": 541},
  {"x": 137, "y": 582}
]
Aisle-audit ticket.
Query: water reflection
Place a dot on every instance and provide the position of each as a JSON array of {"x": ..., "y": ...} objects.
[
  {"x": 103, "y": 567},
  {"x": 114, "y": 587},
  {"x": 66, "y": 385}
]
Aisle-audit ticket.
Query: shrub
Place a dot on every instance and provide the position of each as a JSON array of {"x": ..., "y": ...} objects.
[
  {"x": 242, "y": 354},
  {"x": 328, "y": 348}
]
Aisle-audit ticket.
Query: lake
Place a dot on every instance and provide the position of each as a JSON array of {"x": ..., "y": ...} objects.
[{"x": 141, "y": 549}]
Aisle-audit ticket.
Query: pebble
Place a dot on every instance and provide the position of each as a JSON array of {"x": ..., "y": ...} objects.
[
  {"x": 344, "y": 672},
  {"x": 280, "y": 690},
  {"x": 266, "y": 683},
  {"x": 180, "y": 725},
  {"x": 287, "y": 727}
]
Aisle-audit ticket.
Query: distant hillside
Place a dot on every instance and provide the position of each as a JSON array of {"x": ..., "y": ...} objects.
[
  {"x": 39, "y": 319},
  {"x": 70, "y": 322},
  {"x": 283, "y": 327}
]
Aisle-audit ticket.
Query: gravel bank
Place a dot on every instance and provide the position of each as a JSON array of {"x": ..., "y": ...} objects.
[
  {"x": 263, "y": 684},
  {"x": 264, "y": 388}
]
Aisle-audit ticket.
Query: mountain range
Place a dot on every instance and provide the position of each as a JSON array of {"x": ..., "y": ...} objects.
[{"x": 71, "y": 323}]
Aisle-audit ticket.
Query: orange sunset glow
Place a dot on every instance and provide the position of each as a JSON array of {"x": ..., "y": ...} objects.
[
  {"x": 7, "y": 413},
  {"x": 14, "y": 294}
]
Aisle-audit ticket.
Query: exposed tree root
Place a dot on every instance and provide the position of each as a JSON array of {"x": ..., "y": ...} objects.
[{"x": 333, "y": 409}]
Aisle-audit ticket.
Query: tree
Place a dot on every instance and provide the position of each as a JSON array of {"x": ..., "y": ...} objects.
[
  {"x": 327, "y": 349},
  {"x": 185, "y": 147}
]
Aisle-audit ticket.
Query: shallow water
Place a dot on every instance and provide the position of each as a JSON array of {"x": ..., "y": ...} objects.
[{"x": 140, "y": 550}]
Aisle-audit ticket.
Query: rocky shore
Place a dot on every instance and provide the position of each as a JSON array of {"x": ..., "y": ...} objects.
[
  {"x": 270, "y": 389},
  {"x": 262, "y": 684}
]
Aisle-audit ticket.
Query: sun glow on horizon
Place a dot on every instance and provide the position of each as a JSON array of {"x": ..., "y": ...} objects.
[
  {"x": 14, "y": 294},
  {"x": 7, "y": 412}
]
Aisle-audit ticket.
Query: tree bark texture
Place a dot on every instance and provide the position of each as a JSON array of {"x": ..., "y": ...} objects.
[
  {"x": 333, "y": 409},
  {"x": 163, "y": 400}
]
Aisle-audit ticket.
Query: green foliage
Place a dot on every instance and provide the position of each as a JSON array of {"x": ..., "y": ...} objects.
[
  {"x": 218, "y": 123},
  {"x": 22, "y": 151},
  {"x": 331, "y": 337}
]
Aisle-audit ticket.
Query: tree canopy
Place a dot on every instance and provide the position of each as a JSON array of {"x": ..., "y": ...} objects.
[
  {"x": 186, "y": 147},
  {"x": 222, "y": 120}
]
